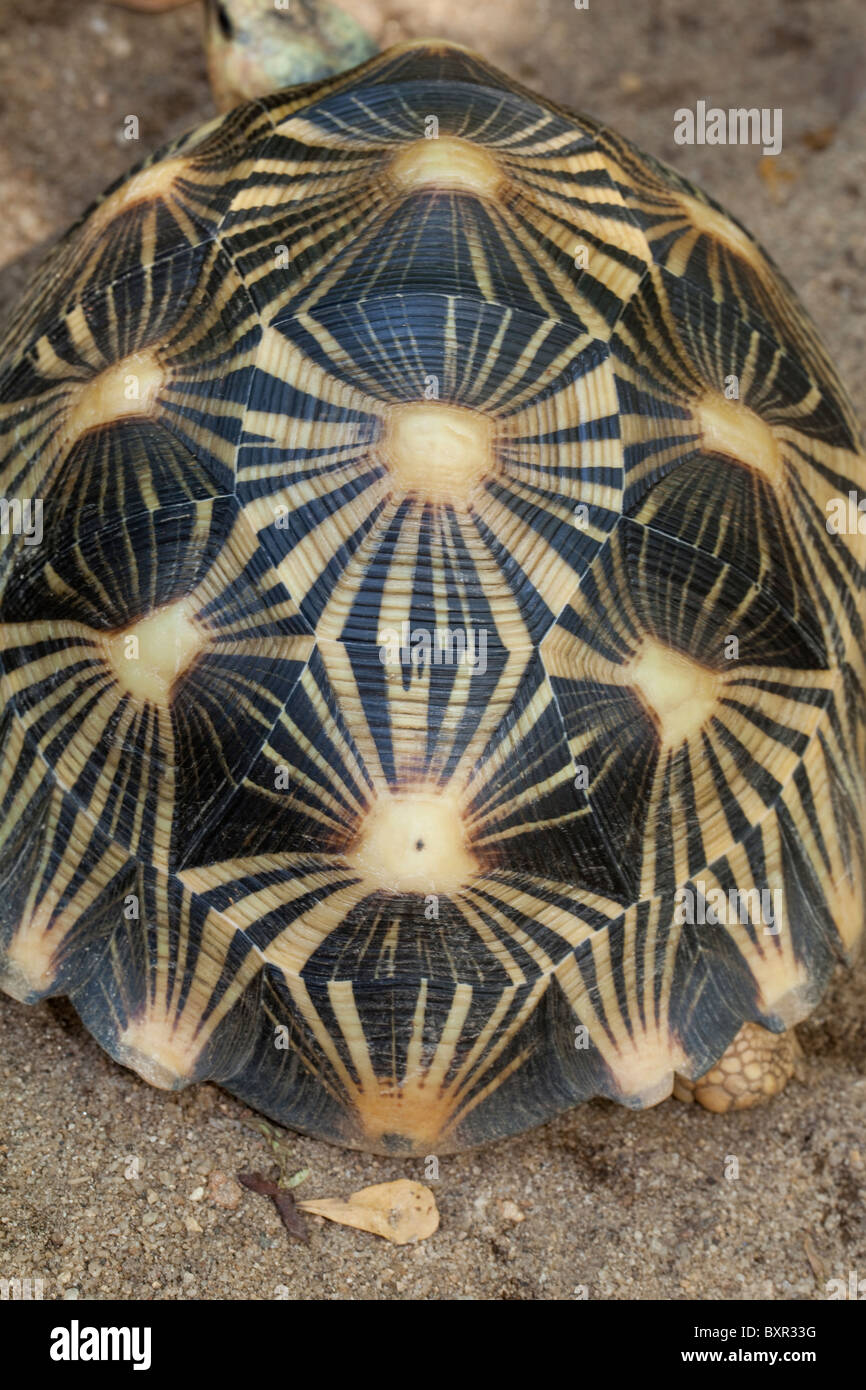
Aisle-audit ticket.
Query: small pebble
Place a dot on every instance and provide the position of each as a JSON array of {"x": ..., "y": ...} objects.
[
  {"x": 224, "y": 1191},
  {"x": 511, "y": 1211}
]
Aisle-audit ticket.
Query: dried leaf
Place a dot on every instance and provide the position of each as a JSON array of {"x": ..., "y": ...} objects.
[
  {"x": 819, "y": 139},
  {"x": 283, "y": 1201},
  {"x": 401, "y": 1211},
  {"x": 257, "y": 1182},
  {"x": 291, "y": 1217},
  {"x": 816, "y": 1264},
  {"x": 775, "y": 176}
]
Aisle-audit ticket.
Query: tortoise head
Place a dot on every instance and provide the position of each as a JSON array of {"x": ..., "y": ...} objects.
[{"x": 255, "y": 47}]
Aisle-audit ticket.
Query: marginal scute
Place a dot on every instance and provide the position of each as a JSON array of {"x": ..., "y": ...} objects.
[
  {"x": 30, "y": 967},
  {"x": 417, "y": 1106},
  {"x": 165, "y": 1057},
  {"x": 638, "y": 1042}
]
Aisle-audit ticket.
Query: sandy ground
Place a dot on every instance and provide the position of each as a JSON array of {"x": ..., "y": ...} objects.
[{"x": 107, "y": 1187}]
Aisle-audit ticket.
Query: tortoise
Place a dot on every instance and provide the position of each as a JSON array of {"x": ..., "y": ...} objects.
[{"x": 432, "y": 653}]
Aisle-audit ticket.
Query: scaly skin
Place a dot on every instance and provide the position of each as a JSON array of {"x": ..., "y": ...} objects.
[
  {"x": 757, "y": 1065},
  {"x": 151, "y": 6},
  {"x": 254, "y": 48}
]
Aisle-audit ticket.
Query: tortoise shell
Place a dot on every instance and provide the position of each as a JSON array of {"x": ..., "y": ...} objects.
[{"x": 422, "y": 617}]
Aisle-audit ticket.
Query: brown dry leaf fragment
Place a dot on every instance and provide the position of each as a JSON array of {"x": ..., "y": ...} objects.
[
  {"x": 630, "y": 83},
  {"x": 401, "y": 1211},
  {"x": 283, "y": 1201},
  {"x": 775, "y": 176},
  {"x": 819, "y": 139},
  {"x": 815, "y": 1262},
  {"x": 291, "y": 1217},
  {"x": 257, "y": 1182}
]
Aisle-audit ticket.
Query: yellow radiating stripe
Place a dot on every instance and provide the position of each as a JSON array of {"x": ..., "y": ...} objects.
[{"x": 642, "y": 1055}]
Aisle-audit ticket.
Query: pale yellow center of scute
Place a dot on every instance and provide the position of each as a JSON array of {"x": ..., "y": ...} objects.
[
  {"x": 414, "y": 843},
  {"x": 148, "y": 657},
  {"x": 129, "y": 387},
  {"x": 154, "y": 184},
  {"x": 733, "y": 430},
  {"x": 679, "y": 692},
  {"x": 438, "y": 452},
  {"x": 447, "y": 162}
]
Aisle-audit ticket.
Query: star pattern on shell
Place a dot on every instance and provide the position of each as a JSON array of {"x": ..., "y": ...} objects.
[{"x": 413, "y": 353}]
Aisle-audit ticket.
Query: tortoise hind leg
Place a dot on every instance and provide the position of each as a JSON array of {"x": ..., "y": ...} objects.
[{"x": 758, "y": 1064}]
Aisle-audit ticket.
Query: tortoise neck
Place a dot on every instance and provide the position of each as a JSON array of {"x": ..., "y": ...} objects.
[{"x": 258, "y": 47}]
